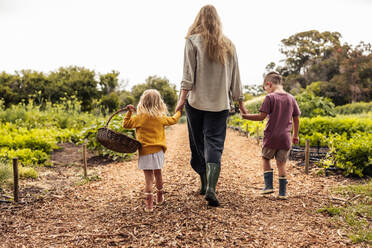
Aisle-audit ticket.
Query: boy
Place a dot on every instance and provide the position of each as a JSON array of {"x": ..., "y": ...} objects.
[{"x": 281, "y": 108}]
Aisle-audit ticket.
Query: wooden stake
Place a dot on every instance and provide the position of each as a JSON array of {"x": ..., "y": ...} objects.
[
  {"x": 307, "y": 151},
  {"x": 85, "y": 159},
  {"x": 258, "y": 135},
  {"x": 247, "y": 130},
  {"x": 15, "y": 175}
]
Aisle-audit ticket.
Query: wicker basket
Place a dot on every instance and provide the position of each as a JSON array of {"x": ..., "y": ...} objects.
[{"x": 116, "y": 141}]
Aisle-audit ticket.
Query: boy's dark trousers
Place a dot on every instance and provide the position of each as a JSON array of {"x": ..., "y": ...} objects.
[{"x": 207, "y": 133}]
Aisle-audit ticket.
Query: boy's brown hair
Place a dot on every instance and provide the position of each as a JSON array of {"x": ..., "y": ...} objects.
[{"x": 273, "y": 77}]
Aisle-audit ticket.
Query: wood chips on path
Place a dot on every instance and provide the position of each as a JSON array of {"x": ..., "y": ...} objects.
[{"x": 109, "y": 212}]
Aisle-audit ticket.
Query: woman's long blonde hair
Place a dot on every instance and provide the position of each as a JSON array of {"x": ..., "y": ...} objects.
[
  {"x": 208, "y": 24},
  {"x": 152, "y": 104}
]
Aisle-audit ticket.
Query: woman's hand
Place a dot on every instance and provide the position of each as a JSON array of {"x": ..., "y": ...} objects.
[
  {"x": 131, "y": 108},
  {"x": 181, "y": 100},
  {"x": 180, "y": 104}
]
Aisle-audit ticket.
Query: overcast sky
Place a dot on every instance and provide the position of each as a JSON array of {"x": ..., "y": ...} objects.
[{"x": 142, "y": 38}]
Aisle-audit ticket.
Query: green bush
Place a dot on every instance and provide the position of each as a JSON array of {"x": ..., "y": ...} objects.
[
  {"x": 315, "y": 139},
  {"x": 311, "y": 105},
  {"x": 354, "y": 155},
  {"x": 25, "y": 156},
  {"x": 27, "y": 172},
  {"x": 354, "y": 108}
]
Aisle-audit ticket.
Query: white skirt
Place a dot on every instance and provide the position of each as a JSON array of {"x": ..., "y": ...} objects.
[{"x": 152, "y": 161}]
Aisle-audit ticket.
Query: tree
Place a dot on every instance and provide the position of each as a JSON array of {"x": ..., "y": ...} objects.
[
  {"x": 108, "y": 82},
  {"x": 167, "y": 91},
  {"x": 110, "y": 102},
  {"x": 306, "y": 46},
  {"x": 343, "y": 73},
  {"x": 76, "y": 81},
  {"x": 125, "y": 98},
  {"x": 9, "y": 86}
]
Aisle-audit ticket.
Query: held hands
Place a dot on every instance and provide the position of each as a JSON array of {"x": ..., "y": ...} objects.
[
  {"x": 181, "y": 100},
  {"x": 180, "y": 104},
  {"x": 243, "y": 110},
  {"x": 130, "y": 107}
]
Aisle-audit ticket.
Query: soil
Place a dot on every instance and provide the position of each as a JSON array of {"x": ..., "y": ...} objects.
[{"x": 108, "y": 209}]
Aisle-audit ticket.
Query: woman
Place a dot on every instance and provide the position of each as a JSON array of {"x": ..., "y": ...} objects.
[{"x": 210, "y": 84}]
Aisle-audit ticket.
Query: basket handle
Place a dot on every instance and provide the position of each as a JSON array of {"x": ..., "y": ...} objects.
[{"x": 120, "y": 110}]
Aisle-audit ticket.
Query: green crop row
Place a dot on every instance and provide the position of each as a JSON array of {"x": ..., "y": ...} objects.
[
  {"x": 246, "y": 125},
  {"x": 340, "y": 125},
  {"x": 354, "y": 108},
  {"x": 32, "y": 147},
  {"x": 63, "y": 116}
]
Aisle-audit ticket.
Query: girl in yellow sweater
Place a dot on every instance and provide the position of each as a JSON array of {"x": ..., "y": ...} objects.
[{"x": 149, "y": 124}]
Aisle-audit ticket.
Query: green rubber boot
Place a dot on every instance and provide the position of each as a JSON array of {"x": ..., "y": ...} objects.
[
  {"x": 203, "y": 183},
  {"x": 213, "y": 172}
]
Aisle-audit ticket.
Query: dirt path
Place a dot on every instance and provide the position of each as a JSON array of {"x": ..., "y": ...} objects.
[{"x": 109, "y": 212}]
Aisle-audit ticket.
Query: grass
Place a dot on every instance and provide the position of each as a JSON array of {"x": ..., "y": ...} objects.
[
  {"x": 85, "y": 180},
  {"x": 6, "y": 174},
  {"x": 356, "y": 214},
  {"x": 27, "y": 172}
]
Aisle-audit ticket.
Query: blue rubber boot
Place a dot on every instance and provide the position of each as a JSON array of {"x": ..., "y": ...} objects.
[
  {"x": 283, "y": 188},
  {"x": 268, "y": 177}
]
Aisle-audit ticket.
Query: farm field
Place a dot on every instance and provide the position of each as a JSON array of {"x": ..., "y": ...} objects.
[
  {"x": 68, "y": 175},
  {"x": 109, "y": 211}
]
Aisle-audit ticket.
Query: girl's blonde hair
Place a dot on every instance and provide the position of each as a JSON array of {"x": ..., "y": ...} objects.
[
  {"x": 208, "y": 24},
  {"x": 152, "y": 104}
]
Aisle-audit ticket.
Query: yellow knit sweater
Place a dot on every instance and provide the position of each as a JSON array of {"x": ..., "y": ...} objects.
[{"x": 150, "y": 130}]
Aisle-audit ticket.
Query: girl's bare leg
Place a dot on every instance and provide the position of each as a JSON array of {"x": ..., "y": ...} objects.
[
  {"x": 158, "y": 179},
  {"x": 149, "y": 181},
  {"x": 159, "y": 186}
]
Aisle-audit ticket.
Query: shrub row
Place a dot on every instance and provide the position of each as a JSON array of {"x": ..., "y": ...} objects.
[
  {"x": 354, "y": 108},
  {"x": 32, "y": 147}
]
